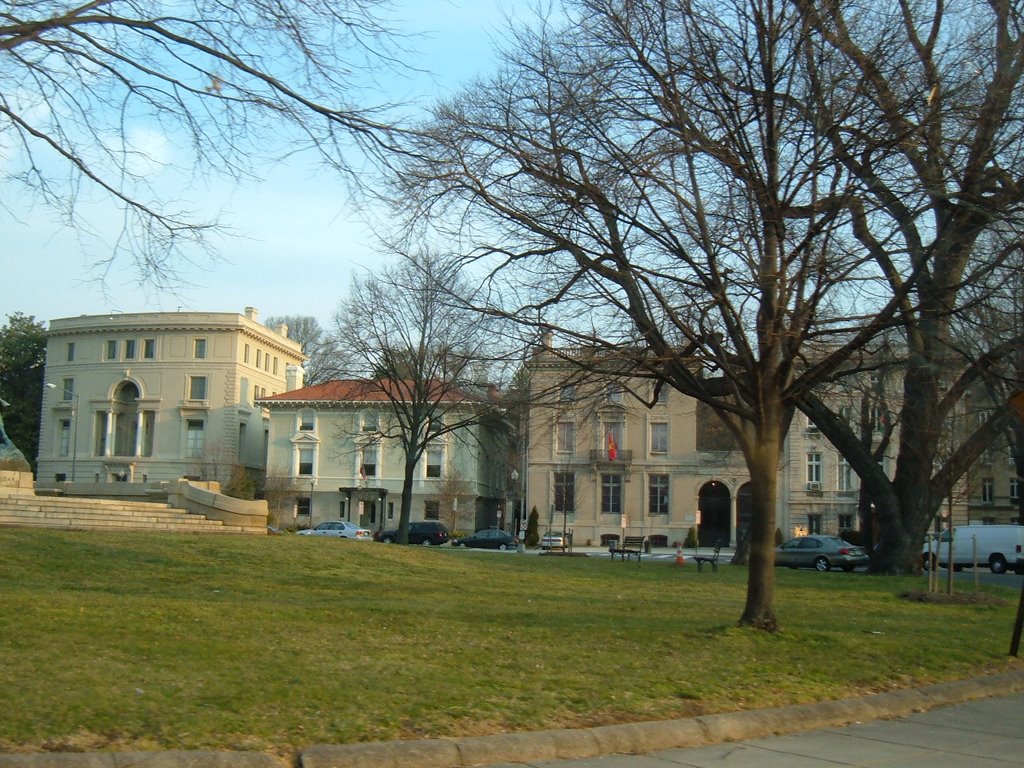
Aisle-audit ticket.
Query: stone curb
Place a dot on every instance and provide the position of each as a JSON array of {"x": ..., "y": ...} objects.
[
  {"x": 636, "y": 738},
  {"x": 561, "y": 744}
]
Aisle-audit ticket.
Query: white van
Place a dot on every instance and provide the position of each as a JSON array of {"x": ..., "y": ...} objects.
[{"x": 1000, "y": 547}]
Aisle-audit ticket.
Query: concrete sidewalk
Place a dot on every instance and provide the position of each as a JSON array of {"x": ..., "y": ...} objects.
[{"x": 977, "y": 722}]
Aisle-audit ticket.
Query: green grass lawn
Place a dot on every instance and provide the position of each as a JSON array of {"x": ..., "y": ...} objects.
[{"x": 127, "y": 641}]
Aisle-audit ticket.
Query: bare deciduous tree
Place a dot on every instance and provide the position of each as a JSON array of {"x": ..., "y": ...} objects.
[
  {"x": 647, "y": 180},
  {"x": 418, "y": 346},
  {"x": 88, "y": 89},
  {"x": 932, "y": 133},
  {"x": 321, "y": 348}
]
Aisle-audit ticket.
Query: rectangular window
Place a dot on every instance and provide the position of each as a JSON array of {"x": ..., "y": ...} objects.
[
  {"x": 129, "y": 349},
  {"x": 431, "y": 510},
  {"x": 275, "y": 366},
  {"x": 195, "y": 442},
  {"x": 1014, "y": 488},
  {"x": 565, "y": 437},
  {"x": 245, "y": 354},
  {"x": 306, "y": 456},
  {"x": 814, "y": 469},
  {"x": 988, "y": 486},
  {"x": 846, "y": 522},
  {"x": 306, "y": 420},
  {"x": 658, "y": 494},
  {"x": 878, "y": 418},
  {"x": 435, "y": 457},
  {"x": 846, "y": 414},
  {"x": 659, "y": 437},
  {"x": 196, "y": 387},
  {"x": 70, "y": 351},
  {"x": 611, "y": 494},
  {"x": 844, "y": 479},
  {"x": 303, "y": 506},
  {"x": 662, "y": 392},
  {"x": 567, "y": 393},
  {"x": 149, "y": 349},
  {"x": 199, "y": 349},
  {"x": 259, "y": 358},
  {"x": 65, "y": 437},
  {"x": 813, "y": 524},
  {"x": 811, "y": 427},
  {"x": 565, "y": 492},
  {"x": 371, "y": 422},
  {"x": 67, "y": 388},
  {"x": 613, "y": 437},
  {"x": 111, "y": 353},
  {"x": 614, "y": 393},
  {"x": 368, "y": 467}
]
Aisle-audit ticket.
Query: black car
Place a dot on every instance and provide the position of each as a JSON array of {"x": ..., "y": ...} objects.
[
  {"x": 490, "y": 538},
  {"x": 425, "y": 532}
]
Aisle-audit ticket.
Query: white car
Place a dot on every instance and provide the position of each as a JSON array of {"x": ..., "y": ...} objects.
[
  {"x": 339, "y": 529},
  {"x": 552, "y": 540}
]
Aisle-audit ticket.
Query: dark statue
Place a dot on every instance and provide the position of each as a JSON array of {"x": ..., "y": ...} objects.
[{"x": 10, "y": 456}]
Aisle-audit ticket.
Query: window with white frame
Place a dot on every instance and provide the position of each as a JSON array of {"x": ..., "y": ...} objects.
[
  {"x": 567, "y": 393},
  {"x": 814, "y": 467},
  {"x": 199, "y": 349},
  {"x": 613, "y": 431},
  {"x": 565, "y": 492},
  {"x": 64, "y": 439},
  {"x": 988, "y": 487},
  {"x": 565, "y": 437},
  {"x": 245, "y": 354},
  {"x": 614, "y": 392},
  {"x": 307, "y": 455},
  {"x": 368, "y": 460},
  {"x": 846, "y": 414},
  {"x": 432, "y": 509},
  {"x": 1014, "y": 489},
  {"x": 435, "y": 460},
  {"x": 148, "y": 349},
  {"x": 129, "y": 349},
  {"x": 307, "y": 420},
  {"x": 371, "y": 422},
  {"x": 111, "y": 351},
  {"x": 611, "y": 494},
  {"x": 662, "y": 393},
  {"x": 657, "y": 492},
  {"x": 659, "y": 437},
  {"x": 879, "y": 418},
  {"x": 814, "y": 524},
  {"x": 67, "y": 389},
  {"x": 196, "y": 387},
  {"x": 844, "y": 476},
  {"x": 70, "y": 351},
  {"x": 195, "y": 438}
]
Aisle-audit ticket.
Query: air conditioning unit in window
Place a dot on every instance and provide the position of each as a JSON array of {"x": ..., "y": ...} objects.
[{"x": 814, "y": 486}]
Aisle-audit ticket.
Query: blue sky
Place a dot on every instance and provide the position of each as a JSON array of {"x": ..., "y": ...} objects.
[{"x": 298, "y": 240}]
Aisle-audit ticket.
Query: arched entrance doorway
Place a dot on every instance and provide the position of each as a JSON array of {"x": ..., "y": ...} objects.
[
  {"x": 125, "y": 411},
  {"x": 714, "y": 503}
]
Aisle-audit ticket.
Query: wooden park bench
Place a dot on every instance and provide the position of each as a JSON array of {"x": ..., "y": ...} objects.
[
  {"x": 712, "y": 558},
  {"x": 632, "y": 546}
]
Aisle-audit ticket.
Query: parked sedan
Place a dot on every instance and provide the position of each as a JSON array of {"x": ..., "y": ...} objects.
[
  {"x": 490, "y": 538},
  {"x": 339, "y": 529},
  {"x": 821, "y": 553},
  {"x": 552, "y": 540}
]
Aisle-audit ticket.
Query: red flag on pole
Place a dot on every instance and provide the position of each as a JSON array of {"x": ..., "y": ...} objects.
[{"x": 612, "y": 448}]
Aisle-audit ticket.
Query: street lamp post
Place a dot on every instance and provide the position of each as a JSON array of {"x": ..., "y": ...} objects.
[{"x": 74, "y": 426}]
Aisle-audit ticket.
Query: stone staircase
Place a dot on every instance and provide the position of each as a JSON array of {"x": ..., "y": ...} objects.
[{"x": 31, "y": 511}]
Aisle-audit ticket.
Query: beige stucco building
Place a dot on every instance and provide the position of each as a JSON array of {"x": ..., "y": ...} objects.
[
  {"x": 334, "y": 454},
  {"x": 154, "y": 396},
  {"x": 613, "y": 457}
]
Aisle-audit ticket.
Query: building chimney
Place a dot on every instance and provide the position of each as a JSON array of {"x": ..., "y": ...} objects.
[
  {"x": 293, "y": 375},
  {"x": 251, "y": 313},
  {"x": 282, "y": 329}
]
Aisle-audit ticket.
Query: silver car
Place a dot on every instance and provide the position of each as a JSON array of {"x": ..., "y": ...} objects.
[
  {"x": 339, "y": 529},
  {"x": 823, "y": 553}
]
